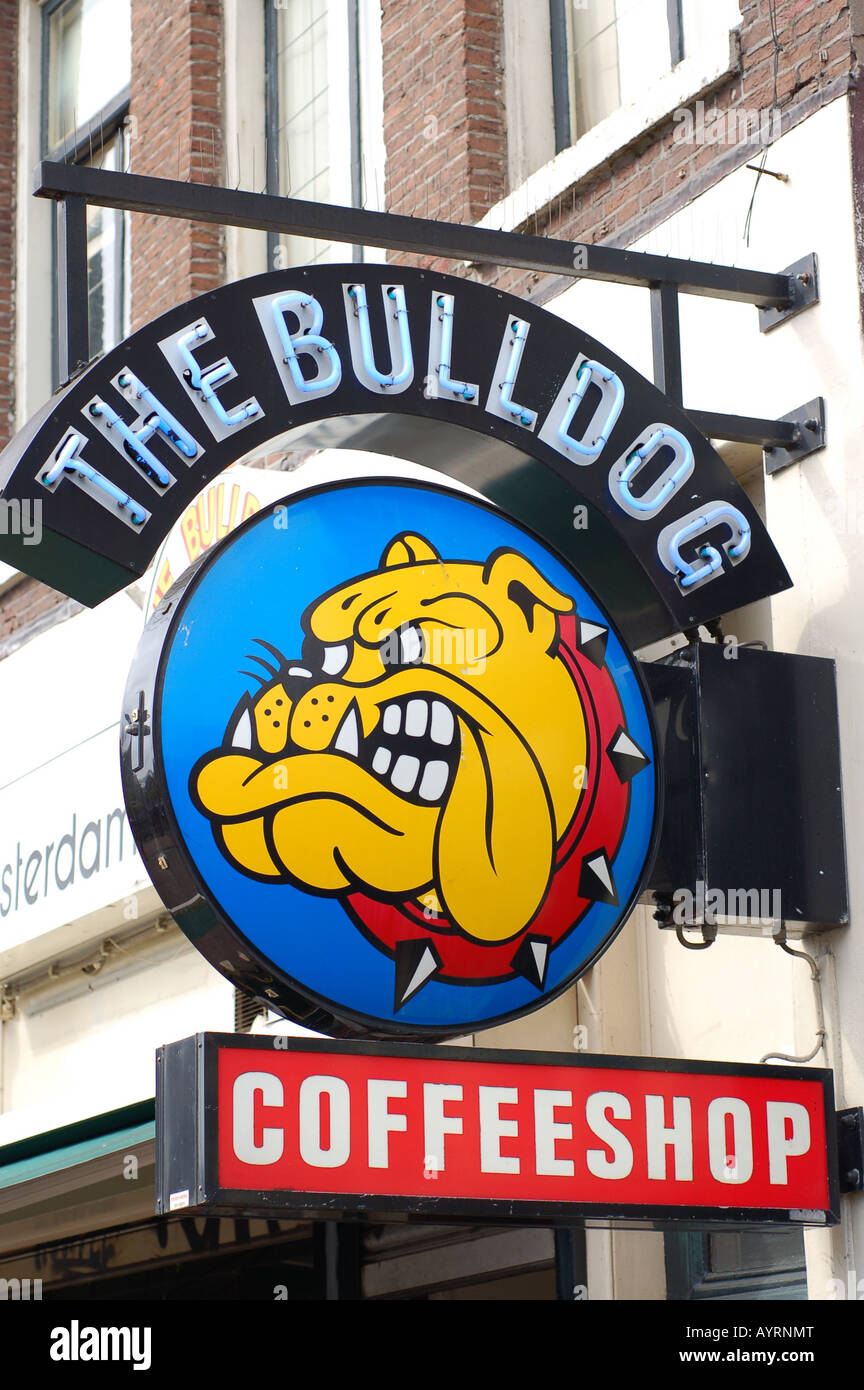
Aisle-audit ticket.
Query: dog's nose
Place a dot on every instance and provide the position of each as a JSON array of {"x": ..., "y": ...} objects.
[{"x": 317, "y": 718}]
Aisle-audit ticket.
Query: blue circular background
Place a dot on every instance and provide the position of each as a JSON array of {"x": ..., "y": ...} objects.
[{"x": 257, "y": 583}]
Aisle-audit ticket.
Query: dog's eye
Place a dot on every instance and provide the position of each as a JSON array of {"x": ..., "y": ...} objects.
[
  {"x": 332, "y": 659},
  {"x": 404, "y": 647}
]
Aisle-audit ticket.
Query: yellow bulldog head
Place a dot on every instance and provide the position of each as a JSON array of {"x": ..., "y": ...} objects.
[{"x": 423, "y": 747}]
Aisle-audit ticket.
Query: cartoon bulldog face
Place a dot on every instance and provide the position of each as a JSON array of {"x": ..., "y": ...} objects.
[{"x": 423, "y": 746}]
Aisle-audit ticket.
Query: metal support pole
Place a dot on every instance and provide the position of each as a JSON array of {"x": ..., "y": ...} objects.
[
  {"x": 419, "y": 236},
  {"x": 72, "y": 307},
  {"x": 571, "y": 1268},
  {"x": 342, "y": 1255},
  {"x": 666, "y": 341},
  {"x": 778, "y": 296},
  {"x": 746, "y": 429}
]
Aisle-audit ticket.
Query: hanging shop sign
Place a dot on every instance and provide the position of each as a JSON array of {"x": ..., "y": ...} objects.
[
  {"x": 599, "y": 462},
  {"x": 437, "y": 800},
  {"x": 390, "y": 765},
  {"x": 282, "y": 1124}
]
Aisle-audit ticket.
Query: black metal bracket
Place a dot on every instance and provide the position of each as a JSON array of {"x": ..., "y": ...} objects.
[
  {"x": 808, "y": 426},
  {"x": 850, "y": 1149},
  {"x": 777, "y": 296},
  {"x": 804, "y": 278},
  {"x": 785, "y": 441},
  {"x": 73, "y": 309}
]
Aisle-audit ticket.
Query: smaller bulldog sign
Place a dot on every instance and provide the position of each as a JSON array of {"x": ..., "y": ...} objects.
[{"x": 389, "y": 763}]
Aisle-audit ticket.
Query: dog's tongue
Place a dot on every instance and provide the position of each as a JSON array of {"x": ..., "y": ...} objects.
[{"x": 496, "y": 841}]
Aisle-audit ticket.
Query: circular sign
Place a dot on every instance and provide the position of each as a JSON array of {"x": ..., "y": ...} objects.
[{"x": 389, "y": 763}]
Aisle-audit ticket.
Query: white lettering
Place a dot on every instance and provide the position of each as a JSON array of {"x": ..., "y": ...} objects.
[
  {"x": 546, "y": 1132},
  {"x": 679, "y": 1135},
  {"x": 493, "y": 1129},
  {"x": 621, "y": 1163},
  {"x": 381, "y": 1122},
  {"x": 435, "y": 1123},
  {"x": 737, "y": 1165},
  {"x": 247, "y": 1086},
  {"x": 779, "y": 1147},
  {"x": 312, "y": 1089}
]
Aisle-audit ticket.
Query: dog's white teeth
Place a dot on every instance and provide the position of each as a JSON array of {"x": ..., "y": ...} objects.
[
  {"x": 242, "y": 736},
  {"x": 443, "y": 727},
  {"x": 348, "y": 738},
  {"x": 415, "y": 718},
  {"x": 381, "y": 761},
  {"x": 410, "y": 645},
  {"x": 335, "y": 660},
  {"x": 434, "y": 781},
  {"x": 392, "y": 719},
  {"x": 404, "y": 774}
]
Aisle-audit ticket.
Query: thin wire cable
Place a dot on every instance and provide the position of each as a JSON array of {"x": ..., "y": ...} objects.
[
  {"x": 816, "y": 977},
  {"x": 778, "y": 49}
]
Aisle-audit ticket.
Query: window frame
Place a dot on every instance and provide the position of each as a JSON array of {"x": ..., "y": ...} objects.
[
  {"x": 109, "y": 116},
  {"x": 561, "y": 105},
  {"x": 535, "y": 188},
  {"x": 689, "y": 1276},
  {"x": 85, "y": 146},
  {"x": 271, "y": 113}
]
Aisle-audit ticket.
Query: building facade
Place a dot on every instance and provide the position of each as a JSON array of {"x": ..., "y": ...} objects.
[{"x": 729, "y": 132}]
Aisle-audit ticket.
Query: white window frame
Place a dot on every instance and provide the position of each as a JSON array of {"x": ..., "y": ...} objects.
[
  {"x": 357, "y": 166},
  {"x": 528, "y": 92}
]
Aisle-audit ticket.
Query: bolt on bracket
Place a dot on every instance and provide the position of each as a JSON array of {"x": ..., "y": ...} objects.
[
  {"x": 850, "y": 1149},
  {"x": 804, "y": 291},
  {"x": 808, "y": 436}
]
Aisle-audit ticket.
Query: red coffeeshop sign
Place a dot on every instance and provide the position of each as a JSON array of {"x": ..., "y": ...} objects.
[{"x": 307, "y": 1125}]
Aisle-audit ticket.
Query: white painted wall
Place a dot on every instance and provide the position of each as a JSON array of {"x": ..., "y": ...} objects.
[
  {"x": 743, "y": 998},
  {"x": 97, "y": 1051}
]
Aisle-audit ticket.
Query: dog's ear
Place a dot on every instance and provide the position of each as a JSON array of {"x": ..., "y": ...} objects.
[
  {"x": 511, "y": 576},
  {"x": 408, "y": 549}
]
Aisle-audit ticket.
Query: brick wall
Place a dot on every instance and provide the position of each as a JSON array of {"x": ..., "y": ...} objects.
[
  {"x": 176, "y": 133},
  {"x": 8, "y": 124},
  {"x": 445, "y": 130},
  {"x": 645, "y": 185},
  {"x": 635, "y": 190},
  {"x": 27, "y": 609},
  {"x": 444, "y": 120}
]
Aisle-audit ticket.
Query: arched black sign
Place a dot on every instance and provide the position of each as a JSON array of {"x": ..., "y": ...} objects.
[{"x": 598, "y": 461}]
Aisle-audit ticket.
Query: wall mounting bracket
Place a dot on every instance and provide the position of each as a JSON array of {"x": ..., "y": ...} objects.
[
  {"x": 850, "y": 1149},
  {"x": 808, "y": 423},
  {"x": 776, "y": 296},
  {"x": 804, "y": 284}
]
